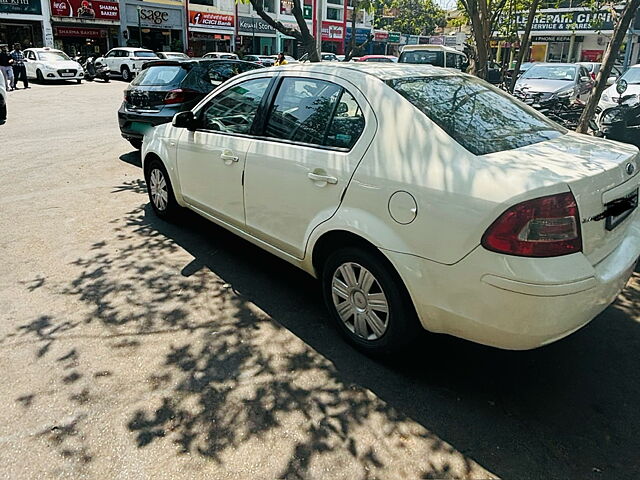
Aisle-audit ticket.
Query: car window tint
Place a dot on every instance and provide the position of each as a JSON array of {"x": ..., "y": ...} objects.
[
  {"x": 347, "y": 123},
  {"x": 481, "y": 118},
  {"x": 302, "y": 110},
  {"x": 234, "y": 109},
  {"x": 220, "y": 72},
  {"x": 161, "y": 75}
]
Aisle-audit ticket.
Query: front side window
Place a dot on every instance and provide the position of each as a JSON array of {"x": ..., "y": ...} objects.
[
  {"x": 302, "y": 110},
  {"x": 233, "y": 110},
  {"x": 31, "y": 55},
  {"x": 481, "y": 118}
]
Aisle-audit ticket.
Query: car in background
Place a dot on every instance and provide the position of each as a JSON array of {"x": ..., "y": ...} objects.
[
  {"x": 268, "y": 60},
  {"x": 126, "y": 61},
  {"x": 437, "y": 55},
  {"x": 171, "y": 55},
  {"x": 594, "y": 67},
  {"x": 166, "y": 87},
  {"x": 329, "y": 57},
  {"x": 252, "y": 58},
  {"x": 303, "y": 161},
  {"x": 51, "y": 64},
  {"x": 3, "y": 100},
  {"x": 610, "y": 96},
  {"x": 378, "y": 58},
  {"x": 225, "y": 55},
  {"x": 562, "y": 81}
]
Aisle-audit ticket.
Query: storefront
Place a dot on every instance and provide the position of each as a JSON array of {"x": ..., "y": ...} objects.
[
  {"x": 362, "y": 35},
  {"x": 256, "y": 36},
  {"x": 333, "y": 37},
  {"x": 83, "y": 27},
  {"x": 379, "y": 43},
  {"x": 21, "y": 21},
  {"x": 210, "y": 31},
  {"x": 159, "y": 27}
]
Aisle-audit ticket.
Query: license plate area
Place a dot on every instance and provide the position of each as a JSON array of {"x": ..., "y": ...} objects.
[
  {"x": 621, "y": 208},
  {"x": 65, "y": 74}
]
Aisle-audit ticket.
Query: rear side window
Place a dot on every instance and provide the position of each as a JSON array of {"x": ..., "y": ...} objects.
[
  {"x": 480, "y": 118},
  {"x": 160, "y": 76}
]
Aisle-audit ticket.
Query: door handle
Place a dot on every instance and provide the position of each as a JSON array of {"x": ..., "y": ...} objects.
[
  {"x": 316, "y": 177},
  {"x": 228, "y": 156}
]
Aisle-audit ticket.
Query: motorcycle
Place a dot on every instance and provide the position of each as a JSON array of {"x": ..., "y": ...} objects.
[
  {"x": 561, "y": 110},
  {"x": 94, "y": 70},
  {"x": 621, "y": 123}
]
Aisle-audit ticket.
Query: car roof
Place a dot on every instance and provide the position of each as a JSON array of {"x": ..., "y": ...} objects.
[
  {"x": 43, "y": 49},
  {"x": 178, "y": 61},
  {"x": 555, "y": 64},
  {"x": 426, "y": 46},
  {"x": 132, "y": 49}
]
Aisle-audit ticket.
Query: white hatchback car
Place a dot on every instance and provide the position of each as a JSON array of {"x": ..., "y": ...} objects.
[
  {"x": 51, "y": 64},
  {"x": 610, "y": 96},
  {"x": 417, "y": 195}
]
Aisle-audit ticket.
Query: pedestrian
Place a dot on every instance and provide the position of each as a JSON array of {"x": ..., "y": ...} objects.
[
  {"x": 281, "y": 60},
  {"x": 19, "y": 70},
  {"x": 6, "y": 67}
]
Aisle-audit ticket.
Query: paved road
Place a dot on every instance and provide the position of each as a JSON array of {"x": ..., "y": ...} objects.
[{"x": 133, "y": 348}]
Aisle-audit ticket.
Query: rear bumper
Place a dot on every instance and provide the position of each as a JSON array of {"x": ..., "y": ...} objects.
[
  {"x": 134, "y": 125},
  {"x": 481, "y": 300}
]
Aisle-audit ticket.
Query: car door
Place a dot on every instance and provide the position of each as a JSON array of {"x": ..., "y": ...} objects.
[
  {"x": 211, "y": 159},
  {"x": 315, "y": 134},
  {"x": 584, "y": 87},
  {"x": 30, "y": 64},
  {"x": 109, "y": 58}
]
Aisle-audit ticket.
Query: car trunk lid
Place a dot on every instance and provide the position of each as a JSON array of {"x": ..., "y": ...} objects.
[{"x": 151, "y": 89}]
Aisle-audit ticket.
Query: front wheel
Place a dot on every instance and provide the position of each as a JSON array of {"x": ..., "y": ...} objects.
[
  {"x": 136, "y": 143},
  {"x": 160, "y": 191},
  {"x": 368, "y": 302}
]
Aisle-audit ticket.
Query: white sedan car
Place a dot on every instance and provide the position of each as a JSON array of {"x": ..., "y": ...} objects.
[
  {"x": 417, "y": 195},
  {"x": 50, "y": 64},
  {"x": 610, "y": 96}
]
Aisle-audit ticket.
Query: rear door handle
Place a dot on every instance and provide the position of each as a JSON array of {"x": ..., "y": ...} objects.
[
  {"x": 316, "y": 177},
  {"x": 228, "y": 156}
]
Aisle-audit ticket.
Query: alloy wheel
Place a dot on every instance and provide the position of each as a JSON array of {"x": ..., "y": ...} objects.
[
  {"x": 360, "y": 301},
  {"x": 159, "y": 189}
]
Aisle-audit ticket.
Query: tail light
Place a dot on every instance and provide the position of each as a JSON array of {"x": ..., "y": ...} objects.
[
  {"x": 179, "y": 95},
  {"x": 593, "y": 76},
  {"x": 542, "y": 227}
]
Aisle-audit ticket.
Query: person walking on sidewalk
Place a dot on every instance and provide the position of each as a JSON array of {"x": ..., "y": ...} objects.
[
  {"x": 19, "y": 70},
  {"x": 6, "y": 67}
]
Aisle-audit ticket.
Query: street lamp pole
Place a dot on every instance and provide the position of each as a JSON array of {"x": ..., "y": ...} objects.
[{"x": 139, "y": 8}]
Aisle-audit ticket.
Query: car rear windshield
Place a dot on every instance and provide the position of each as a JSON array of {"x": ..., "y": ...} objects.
[
  {"x": 431, "y": 57},
  {"x": 159, "y": 76},
  {"x": 145, "y": 54},
  {"x": 479, "y": 117}
]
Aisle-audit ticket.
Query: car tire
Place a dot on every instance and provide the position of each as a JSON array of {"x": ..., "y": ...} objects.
[
  {"x": 136, "y": 143},
  {"x": 160, "y": 191},
  {"x": 126, "y": 73},
  {"x": 358, "y": 285},
  {"x": 79, "y": 81},
  {"x": 3, "y": 112},
  {"x": 39, "y": 76}
]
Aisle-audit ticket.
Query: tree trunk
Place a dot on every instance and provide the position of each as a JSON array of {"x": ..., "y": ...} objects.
[
  {"x": 524, "y": 43},
  {"x": 352, "y": 41},
  {"x": 619, "y": 32},
  {"x": 303, "y": 35}
]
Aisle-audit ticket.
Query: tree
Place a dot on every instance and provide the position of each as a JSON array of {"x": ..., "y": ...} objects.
[
  {"x": 303, "y": 35},
  {"x": 411, "y": 17},
  {"x": 524, "y": 43},
  {"x": 358, "y": 5},
  {"x": 622, "y": 21}
]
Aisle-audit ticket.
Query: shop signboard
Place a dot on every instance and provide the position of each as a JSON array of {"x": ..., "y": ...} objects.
[
  {"x": 286, "y": 8},
  {"x": 80, "y": 32},
  {"x": 155, "y": 17},
  {"x": 394, "y": 37},
  {"x": 362, "y": 34},
  {"x": 255, "y": 26},
  {"x": 332, "y": 32},
  {"x": 556, "y": 38},
  {"x": 569, "y": 21},
  {"x": 380, "y": 36},
  {"x": 211, "y": 20},
  {"x": 413, "y": 40},
  {"x": 436, "y": 41},
  {"x": 423, "y": 40},
  {"x": 27, "y": 7},
  {"x": 88, "y": 9}
]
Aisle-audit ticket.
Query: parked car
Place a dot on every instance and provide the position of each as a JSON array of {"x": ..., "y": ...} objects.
[
  {"x": 127, "y": 61},
  {"x": 437, "y": 55},
  {"x": 252, "y": 58},
  {"x": 51, "y": 64},
  {"x": 165, "y": 87},
  {"x": 417, "y": 196},
  {"x": 268, "y": 60},
  {"x": 225, "y": 55},
  {"x": 556, "y": 80},
  {"x": 609, "y": 98},
  {"x": 329, "y": 57},
  {"x": 3, "y": 100},
  {"x": 594, "y": 67},
  {"x": 378, "y": 58},
  {"x": 171, "y": 55}
]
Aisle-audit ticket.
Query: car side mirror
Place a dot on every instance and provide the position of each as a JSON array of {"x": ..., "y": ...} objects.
[
  {"x": 184, "y": 120},
  {"x": 585, "y": 79},
  {"x": 611, "y": 81}
]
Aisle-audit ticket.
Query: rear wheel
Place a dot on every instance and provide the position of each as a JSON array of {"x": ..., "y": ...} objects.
[
  {"x": 136, "y": 143},
  {"x": 126, "y": 74},
  {"x": 160, "y": 191},
  {"x": 368, "y": 302}
]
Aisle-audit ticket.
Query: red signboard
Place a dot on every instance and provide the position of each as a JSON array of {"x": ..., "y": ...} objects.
[
  {"x": 332, "y": 32},
  {"x": 591, "y": 55},
  {"x": 80, "y": 32},
  {"x": 97, "y": 9},
  {"x": 380, "y": 36},
  {"x": 210, "y": 20}
]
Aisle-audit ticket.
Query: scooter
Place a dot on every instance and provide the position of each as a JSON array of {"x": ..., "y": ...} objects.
[
  {"x": 94, "y": 70},
  {"x": 622, "y": 123}
]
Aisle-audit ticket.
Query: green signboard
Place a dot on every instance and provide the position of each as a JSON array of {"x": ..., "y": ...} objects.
[
  {"x": 307, "y": 11},
  {"x": 394, "y": 37},
  {"x": 30, "y": 7}
]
